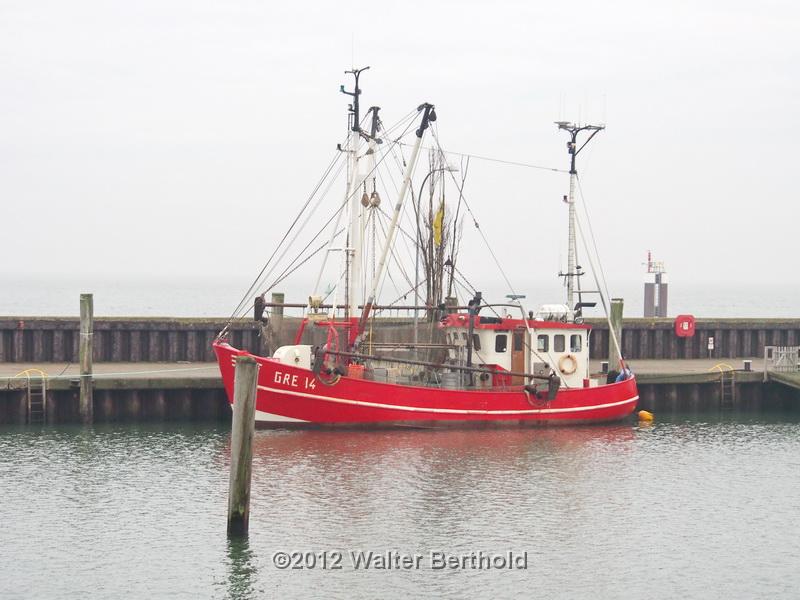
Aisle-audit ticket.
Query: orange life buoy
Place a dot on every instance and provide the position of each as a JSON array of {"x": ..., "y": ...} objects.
[{"x": 562, "y": 364}]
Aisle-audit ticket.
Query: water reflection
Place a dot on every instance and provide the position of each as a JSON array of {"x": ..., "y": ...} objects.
[
  {"x": 242, "y": 570},
  {"x": 434, "y": 480}
]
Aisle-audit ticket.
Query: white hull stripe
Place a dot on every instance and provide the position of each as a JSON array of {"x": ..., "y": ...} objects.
[
  {"x": 265, "y": 416},
  {"x": 450, "y": 411}
]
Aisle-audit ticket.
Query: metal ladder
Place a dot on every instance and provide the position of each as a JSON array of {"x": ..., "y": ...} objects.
[
  {"x": 36, "y": 395},
  {"x": 727, "y": 383}
]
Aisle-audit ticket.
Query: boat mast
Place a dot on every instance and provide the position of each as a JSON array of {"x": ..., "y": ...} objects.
[
  {"x": 572, "y": 250},
  {"x": 428, "y": 116},
  {"x": 368, "y": 200},
  {"x": 353, "y": 246}
]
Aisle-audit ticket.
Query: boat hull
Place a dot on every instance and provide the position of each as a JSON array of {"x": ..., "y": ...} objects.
[{"x": 290, "y": 396}]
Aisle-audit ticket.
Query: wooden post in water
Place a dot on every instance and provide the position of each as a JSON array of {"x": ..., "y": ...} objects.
[
  {"x": 86, "y": 404},
  {"x": 615, "y": 321},
  {"x": 242, "y": 432}
]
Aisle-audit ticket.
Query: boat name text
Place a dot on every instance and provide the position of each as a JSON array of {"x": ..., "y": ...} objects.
[{"x": 294, "y": 381}]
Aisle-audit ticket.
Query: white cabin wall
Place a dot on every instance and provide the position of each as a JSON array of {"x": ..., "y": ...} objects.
[
  {"x": 487, "y": 355},
  {"x": 553, "y": 357}
]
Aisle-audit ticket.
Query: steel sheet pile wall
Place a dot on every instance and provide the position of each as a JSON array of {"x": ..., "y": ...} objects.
[
  {"x": 42, "y": 339},
  {"x": 118, "y": 339},
  {"x": 733, "y": 338}
]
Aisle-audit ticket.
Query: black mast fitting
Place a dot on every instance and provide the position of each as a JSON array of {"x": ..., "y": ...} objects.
[
  {"x": 428, "y": 116},
  {"x": 354, "y": 107}
]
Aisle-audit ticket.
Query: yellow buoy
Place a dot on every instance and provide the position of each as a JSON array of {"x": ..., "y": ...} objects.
[{"x": 645, "y": 416}]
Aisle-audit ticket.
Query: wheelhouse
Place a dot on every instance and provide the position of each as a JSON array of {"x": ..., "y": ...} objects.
[{"x": 535, "y": 346}]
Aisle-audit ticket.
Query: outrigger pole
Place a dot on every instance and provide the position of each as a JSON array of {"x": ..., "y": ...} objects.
[
  {"x": 572, "y": 147},
  {"x": 428, "y": 116}
]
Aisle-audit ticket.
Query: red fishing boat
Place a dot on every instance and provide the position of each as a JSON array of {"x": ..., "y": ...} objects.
[{"x": 501, "y": 370}]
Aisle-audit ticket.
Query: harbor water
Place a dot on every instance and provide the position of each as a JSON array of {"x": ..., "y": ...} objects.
[{"x": 683, "y": 508}]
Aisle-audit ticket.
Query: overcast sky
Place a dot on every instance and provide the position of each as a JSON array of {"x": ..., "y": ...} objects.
[{"x": 176, "y": 138}]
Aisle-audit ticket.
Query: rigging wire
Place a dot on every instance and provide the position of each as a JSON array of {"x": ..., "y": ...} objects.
[
  {"x": 496, "y": 160},
  {"x": 305, "y": 260},
  {"x": 243, "y": 303},
  {"x": 302, "y": 228},
  {"x": 594, "y": 241},
  {"x": 597, "y": 281},
  {"x": 394, "y": 256},
  {"x": 281, "y": 276},
  {"x": 477, "y": 226},
  {"x": 253, "y": 285},
  {"x": 411, "y": 291},
  {"x": 464, "y": 170},
  {"x": 256, "y": 282}
]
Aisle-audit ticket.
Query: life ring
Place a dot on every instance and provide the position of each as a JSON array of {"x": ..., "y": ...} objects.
[{"x": 562, "y": 364}]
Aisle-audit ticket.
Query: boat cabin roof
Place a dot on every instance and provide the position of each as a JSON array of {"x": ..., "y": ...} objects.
[{"x": 507, "y": 323}]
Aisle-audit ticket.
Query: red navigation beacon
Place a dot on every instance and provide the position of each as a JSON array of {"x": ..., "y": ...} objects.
[{"x": 684, "y": 325}]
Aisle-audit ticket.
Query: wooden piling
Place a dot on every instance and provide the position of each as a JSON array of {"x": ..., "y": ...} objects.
[
  {"x": 615, "y": 318},
  {"x": 242, "y": 432},
  {"x": 85, "y": 358},
  {"x": 276, "y": 317}
]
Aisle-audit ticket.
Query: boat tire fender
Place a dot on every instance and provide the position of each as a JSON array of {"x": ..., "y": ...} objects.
[
  {"x": 321, "y": 372},
  {"x": 335, "y": 377},
  {"x": 568, "y": 364},
  {"x": 533, "y": 397}
]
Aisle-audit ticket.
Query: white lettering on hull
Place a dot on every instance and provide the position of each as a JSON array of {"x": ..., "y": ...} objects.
[{"x": 290, "y": 380}]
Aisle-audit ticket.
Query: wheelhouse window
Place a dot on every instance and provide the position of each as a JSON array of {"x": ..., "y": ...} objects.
[
  {"x": 476, "y": 341},
  {"x": 543, "y": 343},
  {"x": 501, "y": 342},
  {"x": 559, "y": 343},
  {"x": 575, "y": 343}
]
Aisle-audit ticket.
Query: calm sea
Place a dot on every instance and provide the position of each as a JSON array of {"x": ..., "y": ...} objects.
[
  {"x": 685, "y": 508},
  {"x": 219, "y": 297}
]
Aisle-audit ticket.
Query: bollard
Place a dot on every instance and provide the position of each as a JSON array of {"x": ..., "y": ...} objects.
[
  {"x": 615, "y": 323},
  {"x": 242, "y": 432},
  {"x": 86, "y": 403}
]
